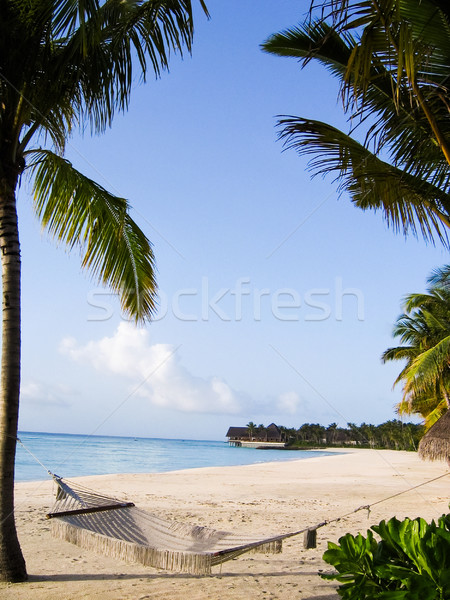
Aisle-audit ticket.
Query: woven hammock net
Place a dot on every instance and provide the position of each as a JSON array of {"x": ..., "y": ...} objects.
[{"x": 121, "y": 530}]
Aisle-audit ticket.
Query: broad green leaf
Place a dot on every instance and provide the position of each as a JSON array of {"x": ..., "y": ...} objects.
[{"x": 80, "y": 213}]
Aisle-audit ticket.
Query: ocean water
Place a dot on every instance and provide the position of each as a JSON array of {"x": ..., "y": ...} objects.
[{"x": 76, "y": 455}]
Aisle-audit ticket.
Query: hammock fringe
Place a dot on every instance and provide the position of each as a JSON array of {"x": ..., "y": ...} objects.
[{"x": 185, "y": 562}]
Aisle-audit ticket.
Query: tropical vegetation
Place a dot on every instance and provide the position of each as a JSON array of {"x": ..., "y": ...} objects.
[
  {"x": 64, "y": 65},
  {"x": 424, "y": 333},
  {"x": 391, "y": 58},
  {"x": 410, "y": 561},
  {"x": 393, "y": 434}
]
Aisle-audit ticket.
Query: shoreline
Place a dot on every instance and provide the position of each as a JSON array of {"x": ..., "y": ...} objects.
[
  {"x": 321, "y": 451},
  {"x": 328, "y": 452},
  {"x": 73, "y": 456},
  {"x": 256, "y": 500}
]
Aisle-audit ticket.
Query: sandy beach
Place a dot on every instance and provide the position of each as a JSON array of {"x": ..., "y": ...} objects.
[{"x": 262, "y": 499}]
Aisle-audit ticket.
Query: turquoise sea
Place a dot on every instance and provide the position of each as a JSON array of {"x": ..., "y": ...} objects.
[{"x": 76, "y": 455}]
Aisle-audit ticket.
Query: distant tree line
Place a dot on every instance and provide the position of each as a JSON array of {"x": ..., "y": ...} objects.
[{"x": 394, "y": 435}]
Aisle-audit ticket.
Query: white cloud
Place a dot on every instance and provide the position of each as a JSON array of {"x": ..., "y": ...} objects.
[
  {"x": 39, "y": 394},
  {"x": 155, "y": 371},
  {"x": 289, "y": 403}
]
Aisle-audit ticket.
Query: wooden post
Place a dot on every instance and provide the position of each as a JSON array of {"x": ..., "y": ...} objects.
[{"x": 310, "y": 539}]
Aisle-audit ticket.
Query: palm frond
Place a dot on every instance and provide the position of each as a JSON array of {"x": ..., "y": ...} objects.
[
  {"x": 399, "y": 353},
  {"x": 316, "y": 39},
  {"x": 408, "y": 202},
  {"x": 434, "y": 415},
  {"x": 411, "y": 40},
  {"x": 428, "y": 366},
  {"x": 391, "y": 59},
  {"x": 441, "y": 277},
  {"x": 118, "y": 33},
  {"x": 393, "y": 122},
  {"x": 71, "y": 63},
  {"x": 80, "y": 213},
  {"x": 414, "y": 301},
  {"x": 424, "y": 331},
  {"x": 425, "y": 405}
]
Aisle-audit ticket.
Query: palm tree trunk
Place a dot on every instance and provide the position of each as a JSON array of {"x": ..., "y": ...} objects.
[{"x": 12, "y": 563}]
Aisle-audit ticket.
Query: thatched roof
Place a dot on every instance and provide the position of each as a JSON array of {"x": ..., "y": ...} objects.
[
  {"x": 435, "y": 444},
  {"x": 238, "y": 432},
  {"x": 273, "y": 428}
]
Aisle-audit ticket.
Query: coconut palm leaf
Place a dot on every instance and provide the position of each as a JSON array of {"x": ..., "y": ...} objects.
[
  {"x": 411, "y": 329},
  {"x": 413, "y": 43},
  {"x": 408, "y": 202},
  {"x": 112, "y": 36},
  {"x": 421, "y": 300},
  {"x": 399, "y": 353},
  {"x": 391, "y": 58},
  {"x": 315, "y": 39},
  {"x": 441, "y": 277},
  {"x": 320, "y": 41},
  {"x": 399, "y": 34},
  {"x": 424, "y": 331},
  {"x": 393, "y": 123},
  {"x": 425, "y": 405},
  {"x": 428, "y": 366},
  {"x": 78, "y": 212},
  {"x": 83, "y": 66}
]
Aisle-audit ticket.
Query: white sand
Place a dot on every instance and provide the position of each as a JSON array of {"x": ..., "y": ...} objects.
[{"x": 258, "y": 499}]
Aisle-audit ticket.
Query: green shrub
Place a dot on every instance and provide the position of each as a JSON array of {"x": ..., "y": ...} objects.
[{"x": 410, "y": 562}]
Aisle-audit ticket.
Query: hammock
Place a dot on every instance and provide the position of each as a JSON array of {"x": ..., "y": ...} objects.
[{"x": 121, "y": 530}]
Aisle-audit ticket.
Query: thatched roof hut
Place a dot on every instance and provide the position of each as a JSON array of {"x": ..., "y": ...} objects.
[
  {"x": 435, "y": 444},
  {"x": 238, "y": 433}
]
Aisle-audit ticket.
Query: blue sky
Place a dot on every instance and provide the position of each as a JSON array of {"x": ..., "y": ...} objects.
[{"x": 277, "y": 298}]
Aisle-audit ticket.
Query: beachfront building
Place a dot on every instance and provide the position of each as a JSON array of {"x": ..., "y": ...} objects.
[{"x": 257, "y": 437}]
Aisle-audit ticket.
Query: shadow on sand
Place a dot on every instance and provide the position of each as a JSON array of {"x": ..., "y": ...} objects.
[{"x": 58, "y": 577}]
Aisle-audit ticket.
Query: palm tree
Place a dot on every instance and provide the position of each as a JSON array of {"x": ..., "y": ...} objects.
[
  {"x": 331, "y": 433},
  {"x": 391, "y": 58},
  {"x": 424, "y": 330},
  {"x": 261, "y": 432},
  {"x": 367, "y": 434},
  {"x": 318, "y": 432},
  {"x": 67, "y": 64},
  {"x": 251, "y": 429},
  {"x": 355, "y": 433}
]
